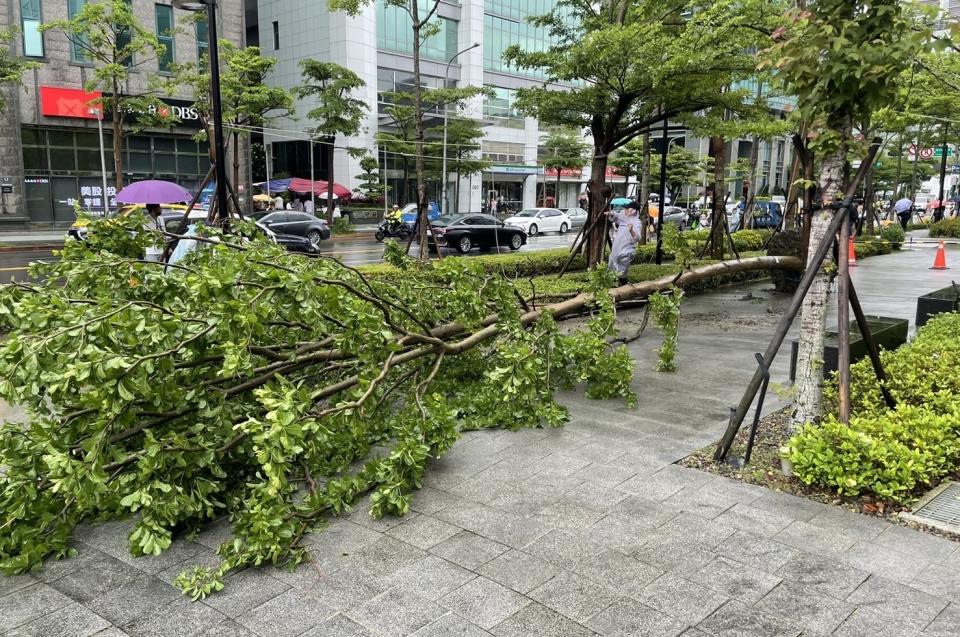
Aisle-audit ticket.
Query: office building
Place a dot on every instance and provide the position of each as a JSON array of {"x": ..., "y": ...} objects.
[{"x": 49, "y": 146}]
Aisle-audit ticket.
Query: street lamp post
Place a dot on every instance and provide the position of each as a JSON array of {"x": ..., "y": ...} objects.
[
  {"x": 103, "y": 160},
  {"x": 443, "y": 171},
  {"x": 210, "y": 6}
]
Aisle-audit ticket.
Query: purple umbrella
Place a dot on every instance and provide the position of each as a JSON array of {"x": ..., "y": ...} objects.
[{"x": 154, "y": 191}]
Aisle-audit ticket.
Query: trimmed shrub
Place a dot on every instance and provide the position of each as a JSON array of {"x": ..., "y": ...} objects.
[
  {"x": 894, "y": 235},
  {"x": 948, "y": 228}
]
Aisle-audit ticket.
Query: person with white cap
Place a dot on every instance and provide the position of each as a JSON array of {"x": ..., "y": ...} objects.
[{"x": 625, "y": 240}]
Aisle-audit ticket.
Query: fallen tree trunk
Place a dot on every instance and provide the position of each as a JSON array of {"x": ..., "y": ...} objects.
[{"x": 254, "y": 383}]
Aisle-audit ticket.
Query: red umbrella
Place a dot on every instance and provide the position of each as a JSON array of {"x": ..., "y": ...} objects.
[{"x": 319, "y": 187}]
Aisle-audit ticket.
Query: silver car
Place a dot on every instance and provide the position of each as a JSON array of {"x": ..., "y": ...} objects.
[
  {"x": 578, "y": 217},
  {"x": 677, "y": 216}
]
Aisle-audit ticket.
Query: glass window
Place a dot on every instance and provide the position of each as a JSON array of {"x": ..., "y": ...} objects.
[
  {"x": 123, "y": 41},
  {"x": 276, "y": 36},
  {"x": 33, "y": 137},
  {"x": 77, "y": 53},
  {"x": 88, "y": 160},
  {"x": 61, "y": 138},
  {"x": 186, "y": 146},
  {"x": 34, "y": 158},
  {"x": 395, "y": 32},
  {"x": 203, "y": 40},
  {"x": 164, "y": 15},
  {"x": 164, "y": 144},
  {"x": 139, "y": 143},
  {"x": 187, "y": 164},
  {"x": 139, "y": 163},
  {"x": 63, "y": 159},
  {"x": 165, "y": 163},
  {"x": 87, "y": 140},
  {"x": 30, "y": 19}
]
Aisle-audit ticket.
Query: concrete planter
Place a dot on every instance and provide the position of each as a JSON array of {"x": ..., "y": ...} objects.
[
  {"x": 888, "y": 332},
  {"x": 936, "y": 302}
]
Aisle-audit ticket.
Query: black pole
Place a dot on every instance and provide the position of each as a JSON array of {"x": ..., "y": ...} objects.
[
  {"x": 220, "y": 155},
  {"x": 938, "y": 213},
  {"x": 663, "y": 193}
]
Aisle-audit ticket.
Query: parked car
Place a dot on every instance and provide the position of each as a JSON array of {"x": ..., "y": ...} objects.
[
  {"x": 409, "y": 213},
  {"x": 291, "y": 242},
  {"x": 79, "y": 229},
  {"x": 467, "y": 231},
  {"x": 675, "y": 215},
  {"x": 300, "y": 224},
  {"x": 536, "y": 220},
  {"x": 766, "y": 214},
  {"x": 578, "y": 217}
]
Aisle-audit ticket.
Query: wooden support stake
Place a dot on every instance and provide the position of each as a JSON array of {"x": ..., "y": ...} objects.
[
  {"x": 872, "y": 350},
  {"x": 843, "y": 319}
]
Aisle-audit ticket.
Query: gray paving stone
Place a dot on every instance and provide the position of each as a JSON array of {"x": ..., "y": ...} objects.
[
  {"x": 742, "y": 582},
  {"x": 442, "y": 480},
  {"x": 824, "y": 574},
  {"x": 698, "y": 502},
  {"x": 599, "y": 451},
  {"x": 215, "y": 533},
  {"x": 506, "y": 528},
  {"x": 338, "y": 626},
  {"x": 432, "y": 577},
  {"x": 451, "y": 626},
  {"x": 692, "y": 528},
  {"x": 595, "y": 496},
  {"x": 519, "y": 570},
  {"x": 535, "y": 620},
  {"x": 734, "y": 619},
  {"x": 917, "y": 544},
  {"x": 423, "y": 531},
  {"x": 666, "y": 482},
  {"x": 97, "y": 577},
  {"x": 179, "y": 618},
  {"x": 27, "y": 604},
  {"x": 342, "y": 590},
  {"x": 644, "y": 512},
  {"x": 179, "y": 552},
  {"x": 839, "y": 519},
  {"x": 941, "y": 581},
  {"x": 396, "y": 612},
  {"x": 55, "y": 569},
  {"x": 11, "y": 583},
  {"x": 522, "y": 502},
  {"x": 606, "y": 473},
  {"x": 619, "y": 572},
  {"x": 230, "y": 628},
  {"x": 70, "y": 621},
  {"x": 111, "y": 632},
  {"x": 428, "y": 501},
  {"x": 790, "y": 505},
  {"x": 754, "y": 520},
  {"x": 864, "y": 622},
  {"x": 630, "y": 618},
  {"x": 568, "y": 515},
  {"x": 469, "y": 550},
  {"x": 616, "y": 532},
  {"x": 384, "y": 556},
  {"x": 341, "y": 535},
  {"x": 681, "y": 598},
  {"x": 558, "y": 465},
  {"x": 676, "y": 554},
  {"x": 756, "y": 551},
  {"x": 135, "y": 598},
  {"x": 484, "y": 602},
  {"x": 564, "y": 549},
  {"x": 361, "y": 515},
  {"x": 289, "y": 613},
  {"x": 883, "y": 561},
  {"x": 245, "y": 591},
  {"x": 904, "y": 605},
  {"x": 574, "y": 596},
  {"x": 815, "y": 539},
  {"x": 551, "y": 484},
  {"x": 205, "y": 558},
  {"x": 947, "y": 623},
  {"x": 816, "y": 613},
  {"x": 483, "y": 489}
]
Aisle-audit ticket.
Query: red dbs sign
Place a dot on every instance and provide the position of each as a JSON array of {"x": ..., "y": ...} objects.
[{"x": 67, "y": 102}]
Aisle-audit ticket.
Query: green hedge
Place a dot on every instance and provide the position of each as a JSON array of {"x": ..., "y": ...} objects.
[
  {"x": 891, "y": 453},
  {"x": 948, "y": 228}
]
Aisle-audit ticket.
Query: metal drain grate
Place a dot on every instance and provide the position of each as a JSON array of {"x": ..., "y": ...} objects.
[{"x": 939, "y": 509}]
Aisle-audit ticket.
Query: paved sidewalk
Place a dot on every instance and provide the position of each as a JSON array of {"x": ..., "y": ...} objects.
[{"x": 585, "y": 530}]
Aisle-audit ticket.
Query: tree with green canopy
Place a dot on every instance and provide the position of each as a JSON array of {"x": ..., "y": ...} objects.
[
  {"x": 371, "y": 185},
  {"x": 12, "y": 67},
  {"x": 108, "y": 36},
  {"x": 337, "y": 111},
  {"x": 563, "y": 151}
]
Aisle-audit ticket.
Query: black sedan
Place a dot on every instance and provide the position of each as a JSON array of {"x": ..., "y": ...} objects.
[
  {"x": 299, "y": 224},
  {"x": 468, "y": 231}
]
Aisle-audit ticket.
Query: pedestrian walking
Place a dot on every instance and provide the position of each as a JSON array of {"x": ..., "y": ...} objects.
[
  {"x": 625, "y": 240},
  {"x": 309, "y": 206},
  {"x": 904, "y": 208},
  {"x": 278, "y": 203}
]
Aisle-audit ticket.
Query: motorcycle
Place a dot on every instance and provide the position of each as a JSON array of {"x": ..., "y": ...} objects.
[{"x": 399, "y": 229}]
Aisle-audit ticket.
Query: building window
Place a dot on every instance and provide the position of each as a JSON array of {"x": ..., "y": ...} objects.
[
  {"x": 395, "y": 33},
  {"x": 276, "y": 36},
  {"x": 30, "y": 20},
  {"x": 123, "y": 41},
  {"x": 164, "y": 14},
  {"x": 203, "y": 41},
  {"x": 77, "y": 53},
  {"x": 500, "y": 110},
  {"x": 501, "y": 33}
]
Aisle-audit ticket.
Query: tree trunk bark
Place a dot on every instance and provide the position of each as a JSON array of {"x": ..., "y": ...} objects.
[
  {"x": 117, "y": 139},
  {"x": 747, "y": 217},
  {"x": 645, "y": 188},
  {"x": 424, "y": 252},
  {"x": 556, "y": 194},
  {"x": 719, "y": 220},
  {"x": 456, "y": 194},
  {"x": 595, "y": 240},
  {"x": 330, "y": 177},
  {"x": 236, "y": 161},
  {"x": 813, "y": 316},
  {"x": 793, "y": 195}
]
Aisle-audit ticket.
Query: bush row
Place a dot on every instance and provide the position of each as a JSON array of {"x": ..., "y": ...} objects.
[
  {"x": 948, "y": 228},
  {"x": 891, "y": 453}
]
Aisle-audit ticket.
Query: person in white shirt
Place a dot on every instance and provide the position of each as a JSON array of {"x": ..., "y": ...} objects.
[
  {"x": 278, "y": 203},
  {"x": 309, "y": 206}
]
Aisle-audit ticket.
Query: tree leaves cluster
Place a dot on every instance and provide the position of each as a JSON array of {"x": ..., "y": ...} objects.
[
  {"x": 12, "y": 67},
  {"x": 248, "y": 382}
]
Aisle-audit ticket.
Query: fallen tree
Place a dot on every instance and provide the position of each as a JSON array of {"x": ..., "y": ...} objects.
[{"x": 275, "y": 389}]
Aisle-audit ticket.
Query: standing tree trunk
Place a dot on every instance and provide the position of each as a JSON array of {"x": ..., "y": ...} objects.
[
  {"x": 595, "y": 240},
  {"x": 329, "y": 179},
  {"x": 117, "y": 117},
  {"x": 898, "y": 174},
  {"x": 793, "y": 195},
  {"x": 456, "y": 192},
  {"x": 556, "y": 194},
  {"x": 236, "y": 159},
  {"x": 718, "y": 223},
  {"x": 813, "y": 317},
  {"x": 422, "y": 224},
  {"x": 645, "y": 188},
  {"x": 747, "y": 218}
]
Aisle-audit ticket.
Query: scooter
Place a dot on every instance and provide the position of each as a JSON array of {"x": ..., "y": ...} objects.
[{"x": 399, "y": 229}]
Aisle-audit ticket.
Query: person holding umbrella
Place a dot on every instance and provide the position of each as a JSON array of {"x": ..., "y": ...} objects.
[
  {"x": 625, "y": 241},
  {"x": 903, "y": 208}
]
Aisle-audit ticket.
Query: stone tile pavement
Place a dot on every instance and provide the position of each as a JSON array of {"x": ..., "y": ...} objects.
[{"x": 585, "y": 530}]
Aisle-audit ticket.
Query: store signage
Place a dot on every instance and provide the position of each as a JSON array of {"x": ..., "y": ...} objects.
[
  {"x": 565, "y": 172},
  {"x": 516, "y": 170},
  {"x": 91, "y": 197},
  {"x": 68, "y": 102}
]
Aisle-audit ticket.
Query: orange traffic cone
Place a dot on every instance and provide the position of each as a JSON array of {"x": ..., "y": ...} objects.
[
  {"x": 940, "y": 261},
  {"x": 851, "y": 254}
]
